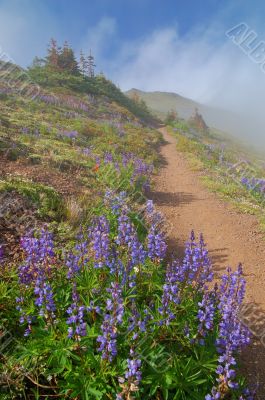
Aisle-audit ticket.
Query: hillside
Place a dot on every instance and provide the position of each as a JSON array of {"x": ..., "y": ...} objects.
[
  {"x": 93, "y": 304},
  {"x": 65, "y": 130},
  {"x": 227, "y": 122},
  {"x": 163, "y": 102}
]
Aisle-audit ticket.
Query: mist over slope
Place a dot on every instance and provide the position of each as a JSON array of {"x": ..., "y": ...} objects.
[{"x": 238, "y": 125}]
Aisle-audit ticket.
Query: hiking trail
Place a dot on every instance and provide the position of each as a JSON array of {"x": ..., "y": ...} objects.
[{"x": 231, "y": 237}]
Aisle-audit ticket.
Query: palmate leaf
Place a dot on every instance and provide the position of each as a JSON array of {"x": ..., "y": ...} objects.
[{"x": 183, "y": 380}]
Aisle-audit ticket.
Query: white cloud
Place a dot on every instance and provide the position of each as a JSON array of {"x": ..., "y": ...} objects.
[
  {"x": 25, "y": 29},
  {"x": 204, "y": 65},
  {"x": 99, "y": 37}
]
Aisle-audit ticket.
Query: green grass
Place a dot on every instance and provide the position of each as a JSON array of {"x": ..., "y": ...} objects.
[
  {"x": 108, "y": 114},
  {"x": 215, "y": 175},
  {"x": 48, "y": 202}
]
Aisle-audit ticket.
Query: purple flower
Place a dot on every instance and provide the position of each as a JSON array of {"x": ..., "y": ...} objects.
[
  {"x": 171, "y": 295},
  {"x": 156, "y": 245},
  {"x": 35, "y": 272},
  {"x": 108, "y": 158},
  {"x": 134, "y": 369},
  {"x": 115, "y": 201},
  {"x": 78, "y": 258},
  {"x": 206, "y": 313},
  {"x": 233, "y": 335},
  {"x": 77, "y": 326},
  {"x": 44, "y": 300},
  {"x": 109, "y": 328},
  {"x": 196, "y": 264},
  {"x": 100, "y": 242}
]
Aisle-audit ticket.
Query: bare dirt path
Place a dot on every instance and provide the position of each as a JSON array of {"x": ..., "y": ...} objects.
[{"x": 231, "y": 238}]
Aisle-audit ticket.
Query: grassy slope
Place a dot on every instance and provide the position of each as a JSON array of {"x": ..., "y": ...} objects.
[
  {"x": 223, "y": 162},
  {"x": 45, "y": 170},
  {"x": 224, "y": 120},
  {"x": 162, "y": 102}
]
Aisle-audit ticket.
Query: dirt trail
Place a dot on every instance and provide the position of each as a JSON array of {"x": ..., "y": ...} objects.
[{"x": 231, "y": 238}]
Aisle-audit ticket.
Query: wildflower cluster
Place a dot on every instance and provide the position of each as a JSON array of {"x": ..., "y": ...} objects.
[
  {"x": 129, "y": 318},
  {"x": 35, "y": 275},
  {"x": 254, "y": 184},
  {"x": 233, "y": 335}
]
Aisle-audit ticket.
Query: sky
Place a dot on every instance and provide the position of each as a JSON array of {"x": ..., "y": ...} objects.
[{"x": 167, "y": 45}]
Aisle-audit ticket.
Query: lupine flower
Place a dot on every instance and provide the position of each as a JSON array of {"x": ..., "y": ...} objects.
[
  {"x": 35, "y": 272},
  {"x": 78, "y": 258},
  {"x": 130, "y": 382},
  {"x": 256, "y": 185},
  {"x": 206, "y": 313},
  {"x": 44, "y": 300},
  {"x": 112, "y": 318},
  {"x": 127, "y": 237},
  {"x": 108, "y": 158},
  {"x": 100, "y": 242},
  {"x": 77, "y": 326},
  {"x": 125, "y": 228},
  {"x": 115, "y": 201},
  {"x": 149, "y": 207},
  {"x": 233, "y": 335},
  {"x": 196, "y": 264},
  {"x": 134, "y": 366},
  {"x": 39, "y": 254},
  {"x": 153, "y": 218},
  {"x": 87, "y": 151},
  {"x": 171, "y": 295},
  {"x": 24, "y": 318},
  {"x": 156, "y": 245}
]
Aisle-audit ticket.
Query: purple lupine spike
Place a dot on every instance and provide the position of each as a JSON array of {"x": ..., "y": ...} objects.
[
  {"x": 196, "y": 265},
  {"x": 233, "y": 335},
  {"x": 108, "y": 158},
  {"x": 112, "y": 318},
  {"x": 39, "y": 253},
  {"x": 133, "y": 372},
  {"x": 100, "y": 242},
  {"x": 77, "y": 258},
  {"x": 206, "y": 313},
  {"x": 35, "y": 272},
  {"x": 77, "y": 326},
  {"x": 156, "y": 245},
  {"x": 24, "y": 318},
  {"x": 149, "y": 207},
  {"x": 115, "y": 201},
  {"x": 125, "y": 228},
  {"x": 44, "y": 298},
  {"x": 171, "y": 295}
]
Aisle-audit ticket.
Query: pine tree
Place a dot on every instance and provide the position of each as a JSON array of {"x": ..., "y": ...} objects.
[
  {"x": 67, "y": 61},
  {"x": 53, "y": 54},
  {"x": 83, "y": 63},
  {"x": 91, "y": 65}
]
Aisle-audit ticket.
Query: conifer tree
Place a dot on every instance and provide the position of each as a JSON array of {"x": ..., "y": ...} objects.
[
  {"x": 91, "y": 65},
  {"x": 53, "y": 54},
  {"x": 83, "y": 62},
  {"x": 67, "y": 61}
]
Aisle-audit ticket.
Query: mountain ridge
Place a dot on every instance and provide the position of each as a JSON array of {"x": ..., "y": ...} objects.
[{"x": 160, "y": 103}]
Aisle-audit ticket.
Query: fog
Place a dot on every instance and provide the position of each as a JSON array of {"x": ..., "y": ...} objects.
[{"x": 218, "y": 74}]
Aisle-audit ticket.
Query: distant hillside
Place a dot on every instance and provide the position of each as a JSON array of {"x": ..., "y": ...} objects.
[{"x": 160, "y": 103}]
